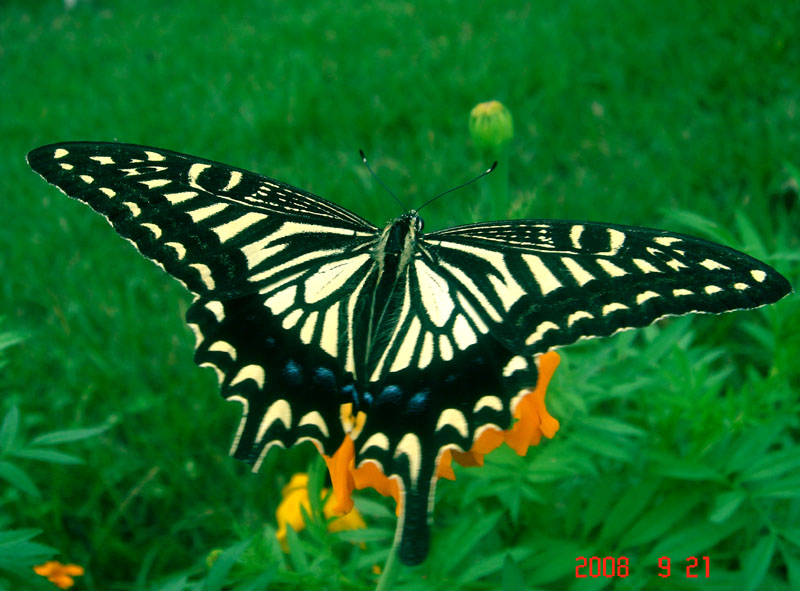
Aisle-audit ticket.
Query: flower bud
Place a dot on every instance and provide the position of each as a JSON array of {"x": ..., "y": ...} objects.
[{"x": 490, "y": 125}]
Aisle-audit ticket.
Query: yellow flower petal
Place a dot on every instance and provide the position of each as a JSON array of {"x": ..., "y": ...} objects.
[
  {"x": 289, "y": 512},
  {"x": 297, "y": 482},
  {"x": 352, "y": 520},
  {"x": 295, "y": 498}
]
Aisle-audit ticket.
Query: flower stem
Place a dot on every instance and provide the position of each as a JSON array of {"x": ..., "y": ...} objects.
[
  {"x": 389, "y": 569},
  {"x": 495, "y": 186}
]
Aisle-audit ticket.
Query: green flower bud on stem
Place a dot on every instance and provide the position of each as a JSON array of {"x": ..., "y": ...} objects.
[
  {"x": 490, "y": 125},
  {"x": 492, "y": 129}
]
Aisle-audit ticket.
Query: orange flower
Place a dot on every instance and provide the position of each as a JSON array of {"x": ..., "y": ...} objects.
[
  {"x": 59, "y": 574},
  {"x": 532, "y": 421},
  {"x": 290, "y": 514}
]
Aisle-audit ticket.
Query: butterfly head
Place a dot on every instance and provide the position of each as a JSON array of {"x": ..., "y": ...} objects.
[
  {"x": 400, "y": 233},
  {"x": 413, "y": 218}
]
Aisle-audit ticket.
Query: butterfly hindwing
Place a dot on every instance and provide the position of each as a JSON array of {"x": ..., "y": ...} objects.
[
  {"x": 290, "y": 392},
  {"x": 415, "y": 416}
]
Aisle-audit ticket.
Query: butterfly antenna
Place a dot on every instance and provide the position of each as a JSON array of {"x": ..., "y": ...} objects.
[
  {"x": 461, "y": 186},
  {"x": 380, "y": 182}
]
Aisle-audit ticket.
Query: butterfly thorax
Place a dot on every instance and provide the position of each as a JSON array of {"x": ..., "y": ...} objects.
[
  {"x": 399, "y": 237},
  {"x": 393, "y": 252}
]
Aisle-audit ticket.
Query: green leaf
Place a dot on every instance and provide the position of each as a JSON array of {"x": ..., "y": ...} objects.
[
  {"x": 605, "y": 492},
  {"x": 15, "y": 546},
  {"x": 655, "y": 523},
  {"x": 627, "y": 510},
  {"x": 552, "y": 463},
  {"x": 793, "y": 535},
  {"x": 489, "y": 565},
  {"x": 373, "y": 508},
  {"x": 794, "y": 172},
  {"x": 762, "y": 337},
  {"x": 555, "y": 559},
  {"x": 773, "y": 465},
  {"x": 751, "y": 241},
  {"x": 8, "y": 430},
  {"x": 725, "y": 504},
  {"x": 614, "y": 426},
  {"x": 469, "y": 538},
  {"x": 18, "y": 478},
  {"x": 177, "y": 584},
  {"x": 297, "y": 555},
  {"x": 699, "y": 225},
  {"x": 46, "y": 455},
  {"x": 69, "y": 435},
  {"x": 223, "y": 564},
  {"x": 17, "y": 535},
  {"x": 694, "y": 539},
  {"x": 749, "y": 449},
  {"x": 683, "y": 469},
  {"x": 10, "y": 338},
  {"x": 369, "y": 534},
  {"x": 792, "y": 566},
  {"x": 260, "y": 583},
  {"x": 785, "y": 488},
  {"x": 757, "y": 561},
  {"x": 513, "y": 580},
  {"x": 595, "y": 443},
  {"x": 12, "y": 554}
]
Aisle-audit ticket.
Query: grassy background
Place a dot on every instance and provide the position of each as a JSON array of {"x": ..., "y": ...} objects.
[{"x": 676, "y": 441}]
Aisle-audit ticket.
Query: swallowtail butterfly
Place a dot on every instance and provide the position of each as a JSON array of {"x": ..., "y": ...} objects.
[{"x": 302, "y": 307}]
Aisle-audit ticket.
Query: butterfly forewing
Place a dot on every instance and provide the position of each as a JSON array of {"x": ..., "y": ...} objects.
[
  {"x": 547, "y": 283},
  {"x": 214, "y": 227}
]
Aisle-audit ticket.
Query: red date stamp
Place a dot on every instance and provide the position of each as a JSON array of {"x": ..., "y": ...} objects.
[
  {"x": 619, "y": 567},
  {"x": 595, "y": 567}
]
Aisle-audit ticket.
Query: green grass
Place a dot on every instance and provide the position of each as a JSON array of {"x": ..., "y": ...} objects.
[{"x": 678, "y": 440}]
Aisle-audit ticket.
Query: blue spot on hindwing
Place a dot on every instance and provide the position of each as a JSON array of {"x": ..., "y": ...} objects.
[
  {"x": 391, "y": 395},
  {"x": 293, "y": 373},
  {"x": 418, "y": 402},
  {"x": 324, "y": 378},
  {"x": 349, "y": 393}
]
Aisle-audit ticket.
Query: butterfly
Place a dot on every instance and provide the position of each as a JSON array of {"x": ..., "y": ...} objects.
[{"x": 323, "y": 325}]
